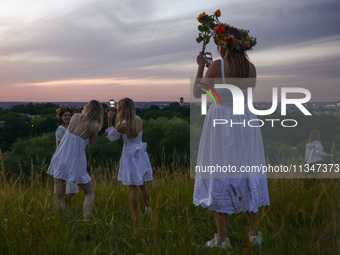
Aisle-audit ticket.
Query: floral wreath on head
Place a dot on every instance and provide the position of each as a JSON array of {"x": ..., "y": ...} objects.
[
  {"x": 212, "y": 27},
  {"x": 65, "y": 108},
  {"x": 221, "y": 36}
]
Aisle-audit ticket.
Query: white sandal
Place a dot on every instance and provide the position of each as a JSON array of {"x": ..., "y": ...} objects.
[
  {"x": 256, "y": 240},
  {"x": 214, "y": 243}
]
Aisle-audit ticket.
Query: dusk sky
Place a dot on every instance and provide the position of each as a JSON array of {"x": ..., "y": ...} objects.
[{"x": 100, "y": 49}]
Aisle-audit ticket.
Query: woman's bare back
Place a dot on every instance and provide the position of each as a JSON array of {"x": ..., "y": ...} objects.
[{"x": 76, "y": 128}]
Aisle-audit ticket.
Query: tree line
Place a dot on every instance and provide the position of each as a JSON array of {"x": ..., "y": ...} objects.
[
  {"x": 19, "y": 123},
  {"x": 31, "y": 142}
]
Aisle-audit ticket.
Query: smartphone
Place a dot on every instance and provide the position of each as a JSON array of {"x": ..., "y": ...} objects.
[
  {"x": 112, "y": 104},
  {"x": 209, "y": 59}
]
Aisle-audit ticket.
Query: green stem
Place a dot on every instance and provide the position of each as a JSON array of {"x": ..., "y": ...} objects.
[{"x": 203, "y": 48}]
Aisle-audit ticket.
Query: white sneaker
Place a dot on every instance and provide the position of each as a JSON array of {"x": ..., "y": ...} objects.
[
  {"x": 214, "y": 243},
  {"x": 256, "y": 240}
]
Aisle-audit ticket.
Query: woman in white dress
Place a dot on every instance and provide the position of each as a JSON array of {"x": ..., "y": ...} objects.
[
  {"x": 234, "y": 145},
  {"x": 314, "y": 150},
  {"x": 64, "y": 117},
  {"x": 69, "y": 161},
  {"x": 134, "y": 166}
]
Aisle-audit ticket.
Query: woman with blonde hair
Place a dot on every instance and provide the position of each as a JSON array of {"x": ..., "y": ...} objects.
[
  {"x": 134, "y": 166},
  {"x": 69, "y": 161},
  {"x": 235, "y": 145}
]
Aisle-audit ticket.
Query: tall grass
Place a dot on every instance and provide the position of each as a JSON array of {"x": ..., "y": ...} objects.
[{"x": 303, "y": 217}]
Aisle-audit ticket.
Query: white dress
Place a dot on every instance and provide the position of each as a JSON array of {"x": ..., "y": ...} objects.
[
  {"x": 236, "y": 146},
  {"x": 134, "y": 165},
  {"x": 70, "y": 187},
  {"x": 69, "y": 161},
  {"x": 314, "y": 152}
]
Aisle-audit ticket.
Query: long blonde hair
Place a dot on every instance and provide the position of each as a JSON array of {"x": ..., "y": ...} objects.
[
  {"x": 92, "y": 114},
  {"x": 314, "y": 136},
  {"x": 238, "y": 60},
  {"x": 127, "y": 112}
]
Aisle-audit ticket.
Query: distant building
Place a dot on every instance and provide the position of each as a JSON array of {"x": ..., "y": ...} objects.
[{"x": 181, "y": 101}]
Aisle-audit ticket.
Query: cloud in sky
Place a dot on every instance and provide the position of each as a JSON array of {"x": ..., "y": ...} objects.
[{"x": 103, "y": 45}]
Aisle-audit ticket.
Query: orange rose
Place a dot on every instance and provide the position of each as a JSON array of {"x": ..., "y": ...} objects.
[
  {"x": 218, "y": 13},
  {"x": 201, "y": 16}
]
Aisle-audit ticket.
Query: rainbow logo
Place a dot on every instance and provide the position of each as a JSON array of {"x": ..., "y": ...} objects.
[{"x": 209, "y": 93}]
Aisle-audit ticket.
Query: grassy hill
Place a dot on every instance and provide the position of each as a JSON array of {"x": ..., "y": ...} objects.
[{"x": 303, "y": 218}]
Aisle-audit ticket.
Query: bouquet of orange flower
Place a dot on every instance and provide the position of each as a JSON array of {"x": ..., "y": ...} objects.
[{"x": 207, "y": 25}]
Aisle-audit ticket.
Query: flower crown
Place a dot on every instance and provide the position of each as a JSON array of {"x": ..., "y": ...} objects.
[
  {"x": 212, "y": 27},
  {"x": 65, "y": 108},
  {"x": 221, "y": 36}
]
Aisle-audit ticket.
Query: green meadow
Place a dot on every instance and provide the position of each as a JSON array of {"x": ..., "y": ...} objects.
[{"x": 303, "y": 217}]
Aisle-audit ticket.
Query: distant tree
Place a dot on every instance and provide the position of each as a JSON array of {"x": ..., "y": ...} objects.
[
  {"x": 48, "y": 111},
  {"x": 154, "y": 108},
  {"x": 2, "y": 113},
  {"x": 34, "y": 109},
  {"x": 168, "y": 139},
  {"x": 16, "y": 126},
  {"x": 20, "y": 108},
  {"x": 30, "y": 154},
  {"x": 44, "y": 124}
]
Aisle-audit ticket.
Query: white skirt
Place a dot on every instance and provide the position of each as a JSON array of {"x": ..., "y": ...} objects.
[{"x": 237, "y": 146}]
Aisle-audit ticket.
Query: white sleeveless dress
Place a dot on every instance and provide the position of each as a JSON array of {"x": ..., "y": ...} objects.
[
  {"x": 69, "y": 161},
  {"x": 237, "y": 146},
  {"x": 70, "y": 187},
  {"x": 134, "y": 165}
]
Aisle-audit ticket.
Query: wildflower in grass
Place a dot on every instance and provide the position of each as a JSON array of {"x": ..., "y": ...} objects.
[{"x": 5, "y": 214}]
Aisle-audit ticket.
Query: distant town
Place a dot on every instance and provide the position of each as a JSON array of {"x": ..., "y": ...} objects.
[
  {"x": 7, "y": 105},
  {"x": 318, "y": 108}
]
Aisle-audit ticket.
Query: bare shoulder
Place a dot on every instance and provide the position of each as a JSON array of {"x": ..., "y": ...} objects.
[
  {"x": 216, "y": 66},
  {"x": 74, "y": 120},
  {"x": 138, "y": 119},
  {"x": 121, "y": 128},
  {"x": 216, "y": 62},
  {"x": 214, "y": 70},
  {"x": 139, "y": 123},
  {"x": 96, "y": 128},
  {"x": 75, "y": 117}
]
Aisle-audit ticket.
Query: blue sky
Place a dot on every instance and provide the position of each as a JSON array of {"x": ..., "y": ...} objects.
[{"x": 97, "y": 49}]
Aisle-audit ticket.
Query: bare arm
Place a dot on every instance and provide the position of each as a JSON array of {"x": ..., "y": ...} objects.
[
  {"x": 199, "y": 81},
  {"x": 110, "y": 115},
  {"x": 93, "y": 137}
]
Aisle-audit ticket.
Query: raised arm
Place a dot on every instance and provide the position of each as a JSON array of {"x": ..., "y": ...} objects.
[
  {"x": 112, "y": 133},
  {"x": 199, "y": 81}
]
